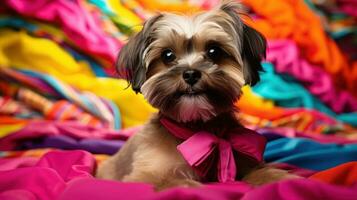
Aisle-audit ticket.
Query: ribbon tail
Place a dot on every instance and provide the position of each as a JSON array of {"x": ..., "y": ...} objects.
[
  {"x": 248, "y": 143},
  {"x": 227, "y": 170},
  {"x": 196, "y": 150}
]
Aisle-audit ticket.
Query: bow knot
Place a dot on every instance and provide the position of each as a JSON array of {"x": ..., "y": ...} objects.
[{"x": 198, "y": 147}]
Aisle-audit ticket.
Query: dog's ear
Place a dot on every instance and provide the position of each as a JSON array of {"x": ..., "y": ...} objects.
[
  {"x": 130, "y": 62},
  {"x": 253, "y": 52},
  {"x": 252, "y": 44}
]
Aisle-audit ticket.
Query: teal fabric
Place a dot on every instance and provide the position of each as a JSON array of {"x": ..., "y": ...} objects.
[
  {"x": 285, "y": 91},
  {"x": 102, "y": 4},
  {"x": 308, "y": 154}
]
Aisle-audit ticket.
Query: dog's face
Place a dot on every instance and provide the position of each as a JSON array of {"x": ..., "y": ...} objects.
[{"x": 193, "y": 68}]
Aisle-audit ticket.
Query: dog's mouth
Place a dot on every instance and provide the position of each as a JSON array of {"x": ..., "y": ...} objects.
[{"x": 190, "y": 92}]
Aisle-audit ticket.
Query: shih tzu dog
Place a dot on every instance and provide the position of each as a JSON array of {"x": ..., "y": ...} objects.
[{"x": 192, "y": 69}]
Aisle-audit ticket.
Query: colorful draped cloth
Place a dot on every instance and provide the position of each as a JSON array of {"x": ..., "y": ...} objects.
[
  {"x": 69, "y": 175},
  {"x": 59, "y": 90}
]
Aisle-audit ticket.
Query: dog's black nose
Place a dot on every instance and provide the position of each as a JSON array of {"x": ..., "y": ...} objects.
[{"x": 191, "y": 76}]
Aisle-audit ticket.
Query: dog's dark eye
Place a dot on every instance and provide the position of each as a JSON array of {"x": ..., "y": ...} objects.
[
  {"x": 168, "y": 56},
  {"x": 215, "y": 53}
]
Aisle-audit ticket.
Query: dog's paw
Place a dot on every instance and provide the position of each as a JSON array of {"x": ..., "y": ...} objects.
[
  {"x": 177, "y": 183},
  {"x": 267, "y": 175}
]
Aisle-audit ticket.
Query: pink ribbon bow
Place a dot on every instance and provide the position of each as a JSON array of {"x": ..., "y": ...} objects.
[{"x": 198, "y": 148}]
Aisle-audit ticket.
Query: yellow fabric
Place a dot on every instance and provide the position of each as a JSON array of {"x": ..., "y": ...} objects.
[
  {"x": 26, "y": 52},
  {"x": 19, "y": 50},
  {"x": 9, "y": 128},
  {"x": 249, "y": 97},
  {"x": 131, "y": 19}
]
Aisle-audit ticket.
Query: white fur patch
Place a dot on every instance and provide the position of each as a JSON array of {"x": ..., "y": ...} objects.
[
  {"x": 190, "y": 59},
  {"x": 192, "y": 108}
]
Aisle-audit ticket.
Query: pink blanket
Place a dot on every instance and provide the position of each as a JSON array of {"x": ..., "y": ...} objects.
[{"x": 69, "y": 175}]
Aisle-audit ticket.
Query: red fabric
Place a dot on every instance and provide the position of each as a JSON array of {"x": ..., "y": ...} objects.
[{"x": 345, "y": 174}]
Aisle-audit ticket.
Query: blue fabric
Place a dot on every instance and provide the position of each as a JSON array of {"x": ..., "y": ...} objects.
[{"x": 309, "y": 154}]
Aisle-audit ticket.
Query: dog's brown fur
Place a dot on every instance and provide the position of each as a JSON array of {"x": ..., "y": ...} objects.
[{"x": 151, "y": 155}]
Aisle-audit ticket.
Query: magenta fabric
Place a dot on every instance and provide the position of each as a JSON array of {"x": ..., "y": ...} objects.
[
  {"x": 67, "y": 175},
  {"x": 110, "y": 190},
  {"x": 198, "y": 148},
  {"x": 302, "y": 189},
  {"x": 81, "y": 26},
  {"x": 40, "y": 129},
  {"x": 285, "y": 56},
  {"x": 13, "y": 163},
  {"x": 47, "y": 178},
  {"x": 313, "y": 190},
  {"x": 348, "y": 6}
]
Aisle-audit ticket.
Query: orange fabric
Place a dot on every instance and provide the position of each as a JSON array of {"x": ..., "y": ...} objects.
[
  {"x": 282, "y": 19},
  {"x": 157, "y": 5},
  {"x": 254, "y": 105},
  {"x": 345, "y": 174},
  {"x": 11, "y": 120}
]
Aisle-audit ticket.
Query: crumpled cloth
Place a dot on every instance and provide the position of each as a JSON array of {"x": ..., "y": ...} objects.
[
  {"x": 67, "y": 175},
  {"x": 57, "y": 100},
  {"x": 285, "y": 91},
  {"x": 345, "y": 174},
  {"x": 297, "y": 22},
  {"x": 93, "y": 145},
  {"x": 280, "y": 132},
  {"x": 285, "y": 56},
  {"x": 284, "y": 145},
  {"x": 78, "y": 24},
  {"x": 348, "y": 6},
  {"x": 39, "y": 129},
  {"x": 19, "y": 50},
  {"x": 309, "y": 154},
  {"x": 53, "y": 33}
]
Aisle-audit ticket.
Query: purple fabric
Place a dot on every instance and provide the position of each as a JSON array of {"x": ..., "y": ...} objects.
[
  {"x": 97, "y": 146},
  {"x": 78, "y": 24},
  {"x": 67, "y": 175},
  {"x": 285, "y": 56},
  {"x": 198, "y": 148},
  {"x": 39, "y": 129}
]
